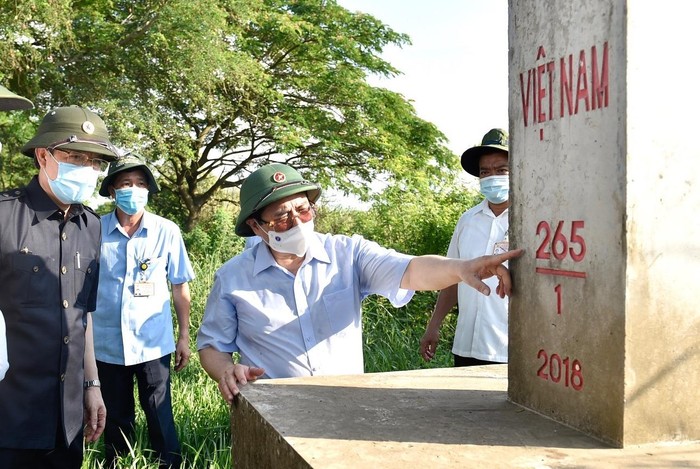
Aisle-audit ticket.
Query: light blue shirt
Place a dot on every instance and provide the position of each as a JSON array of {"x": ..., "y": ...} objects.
[
  {"x": 304, "y": 324},
  {"x": 132, "y": 329}
]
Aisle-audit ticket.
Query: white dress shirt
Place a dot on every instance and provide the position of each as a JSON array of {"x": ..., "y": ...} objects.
[{"x": 482, "y": 325}]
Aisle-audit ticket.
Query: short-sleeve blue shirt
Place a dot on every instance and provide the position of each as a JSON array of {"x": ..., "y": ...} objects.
[
  {"x": 304, "y": 324},
  {"x": 132, "y": 329}
]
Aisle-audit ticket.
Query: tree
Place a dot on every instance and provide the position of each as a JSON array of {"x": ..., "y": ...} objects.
[{"x": 209, "y": 90}]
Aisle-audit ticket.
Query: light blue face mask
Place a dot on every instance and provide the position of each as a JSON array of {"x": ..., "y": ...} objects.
[
  {"x": 495, "y": 188},
  {"x": 73, "y": 183},
  {"x": 131, "y": 200}
]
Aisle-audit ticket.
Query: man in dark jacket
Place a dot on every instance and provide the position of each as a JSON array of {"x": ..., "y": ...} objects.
[{"x": 49, "y": 255}]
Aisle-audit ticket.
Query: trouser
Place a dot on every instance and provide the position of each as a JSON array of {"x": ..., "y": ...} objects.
[
  {"x": 463, "y": 361},
  {"x": 153, "y": 381},
  {"x": 60, "y": 457}
]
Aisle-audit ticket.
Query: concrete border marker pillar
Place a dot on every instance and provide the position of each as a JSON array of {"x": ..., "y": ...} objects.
[{"x": 605, "y": 327}]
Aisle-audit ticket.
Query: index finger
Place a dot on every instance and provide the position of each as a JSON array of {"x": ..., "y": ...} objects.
[{"x": 506, "y": 256}]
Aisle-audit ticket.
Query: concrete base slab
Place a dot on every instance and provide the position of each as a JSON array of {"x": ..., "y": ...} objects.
[{"x": 445, "y": 417}]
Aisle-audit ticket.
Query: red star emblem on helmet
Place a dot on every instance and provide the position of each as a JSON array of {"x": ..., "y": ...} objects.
[{"x": 279, "y": 177}]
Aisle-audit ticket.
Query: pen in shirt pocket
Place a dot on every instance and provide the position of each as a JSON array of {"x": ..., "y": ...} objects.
[{"x": 77, "y": 259}]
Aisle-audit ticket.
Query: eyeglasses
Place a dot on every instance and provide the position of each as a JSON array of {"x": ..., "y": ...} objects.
[
  {"x": 285, "y": 222},
  {"x": 80, "y": 159}
]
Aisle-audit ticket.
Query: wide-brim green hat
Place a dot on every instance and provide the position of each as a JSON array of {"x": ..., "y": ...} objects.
[
  {"x": 10, "y": 101},
  {"x": 75, "y": 128},
  {"x": 269, "y": 184},
  {"x": 495, "y": 139},
  {"x": 128, "y": 162}
]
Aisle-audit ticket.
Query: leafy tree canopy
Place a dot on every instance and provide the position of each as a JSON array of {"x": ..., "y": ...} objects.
[{"x": 209, "y": 90}]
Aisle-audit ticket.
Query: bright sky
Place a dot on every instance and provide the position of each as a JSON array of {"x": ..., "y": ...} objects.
[{"x": 456, "y": 70}]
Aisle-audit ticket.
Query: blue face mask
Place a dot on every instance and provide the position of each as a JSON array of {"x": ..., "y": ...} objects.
[
  {"x": 131, "y": 200},
  {"x": 73, "y": 183},
  {"x": 495, "y": 188}
]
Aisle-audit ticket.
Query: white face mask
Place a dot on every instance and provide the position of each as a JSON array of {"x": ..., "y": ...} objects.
[
  {"x": 494, "y": 188},
  {"x": 73, "y": 183},
  {"x": 293, "y": 241}
]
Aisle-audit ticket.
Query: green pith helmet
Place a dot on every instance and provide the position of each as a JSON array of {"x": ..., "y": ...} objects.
[
  {"x": 495, "y": 139},
  {"x": 75, "y": 128},
  {"x": 10, "y": 101},
  {"x": 269, "y": 184},
  {"x": 127, "y": 162}
]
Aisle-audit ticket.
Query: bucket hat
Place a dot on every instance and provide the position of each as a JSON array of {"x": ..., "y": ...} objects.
[
  {"x": 10, "y": 101},
  {"x": 74, "y": 128},
  {"x": 125, "y": 163},
  {"x": 495, "y": 139},
  {"x": 269, "y": 184}
]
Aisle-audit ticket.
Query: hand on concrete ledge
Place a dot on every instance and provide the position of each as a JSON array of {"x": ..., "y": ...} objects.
[
  {"x": 238, "y": 374},
  {"x": 220, "y": 368}
]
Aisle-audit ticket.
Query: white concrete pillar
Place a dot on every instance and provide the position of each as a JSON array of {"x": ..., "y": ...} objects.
[{"x": 605, "y": 323}]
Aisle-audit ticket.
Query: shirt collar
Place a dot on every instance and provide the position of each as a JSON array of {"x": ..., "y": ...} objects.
[
  {"x": 316, "y": 250},
  {"x": 486, "y": 210},
  {"x": 147, "y": 221},
  {"x": 113, "y": 222}
]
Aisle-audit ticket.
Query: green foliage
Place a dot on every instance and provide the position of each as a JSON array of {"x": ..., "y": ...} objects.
[
  {"x": 408, "y": 221},
  {"x": 209, "y": 90},
  {"x": 15, "y": 168},
  {"x": 392, "y": 335},
  {"x": 214, "y": 239}
]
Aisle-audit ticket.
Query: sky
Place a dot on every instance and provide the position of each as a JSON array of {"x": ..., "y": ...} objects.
[{"x": 456, "y": 70}]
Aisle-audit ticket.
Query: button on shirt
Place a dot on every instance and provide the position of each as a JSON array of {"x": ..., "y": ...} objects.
[
  {"x": 482, "y": 324},
  {"x": 304, "y": 324},
  {"x": 132, "y": 329}
]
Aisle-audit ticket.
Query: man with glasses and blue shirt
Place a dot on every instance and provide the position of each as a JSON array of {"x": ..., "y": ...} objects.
[
  {"x": 143, "y": 259},
  {"x": 49, "y": 256},
  {"x": 291, "y": 305}
]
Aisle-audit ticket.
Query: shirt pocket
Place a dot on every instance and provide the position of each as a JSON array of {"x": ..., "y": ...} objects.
[
  {"x": 157, "y": 269},
  {"x": 342, "y": 309},
  {"x": 85, "y": 276},
  {"x": 31, "y": 282}
]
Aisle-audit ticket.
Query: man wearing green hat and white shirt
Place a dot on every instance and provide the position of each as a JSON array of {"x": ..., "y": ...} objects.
[
  {"x": 142, "y": 255},
  {"x": 9, "y": 101},
  {"x": 291, "y": 305},
  {"x": 49, "y": 257},
  {"x": 481, "y": 336}
]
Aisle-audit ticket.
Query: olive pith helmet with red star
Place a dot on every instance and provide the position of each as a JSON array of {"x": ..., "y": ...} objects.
[{"x": 269, "y": 184}]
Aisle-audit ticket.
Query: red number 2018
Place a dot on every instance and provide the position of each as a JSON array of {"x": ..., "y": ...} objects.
[
  {"x": 554, "y": 368},
  {"x": 557, "y": 244}
]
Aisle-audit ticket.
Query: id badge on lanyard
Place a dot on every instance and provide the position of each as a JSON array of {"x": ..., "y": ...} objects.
[
  {"x": 142, "y": 287},
  {"x": 501, "y": 246}
]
